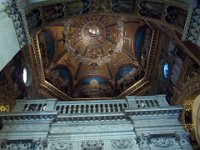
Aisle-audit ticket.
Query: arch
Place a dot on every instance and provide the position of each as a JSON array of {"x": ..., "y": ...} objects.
[
  {"x": 93, "y": 86},
  {"x": 64, "y": 72},
  {"x": 124, "y": 70},
  {"x": 102, "y": 79},
  {"x": 196, "y": 117}
]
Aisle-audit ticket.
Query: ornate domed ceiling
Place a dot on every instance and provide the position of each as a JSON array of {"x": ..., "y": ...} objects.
[
  {"x": 95, "y": 49},
  {"x": 95, "y": 55}
]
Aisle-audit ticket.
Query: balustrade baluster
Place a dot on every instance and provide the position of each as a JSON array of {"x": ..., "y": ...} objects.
[
  {"x": 101, "y": 108},
  {"x": 104, "y": 108},
  {"x": 69, "y": 111},
  {"x": 40, "y": 107},
  {"x": 77, "y": 108},
  {"x": 111, "y": 108},
  {"x": 115, "y": 107},
  {"x": 97, "y": 108},
  {"x": 82, "y": 108}
]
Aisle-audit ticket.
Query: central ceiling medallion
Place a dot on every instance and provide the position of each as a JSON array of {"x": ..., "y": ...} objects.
[
  {"x": 94, "y": 31},
  {"x": 94, "y": 40}
]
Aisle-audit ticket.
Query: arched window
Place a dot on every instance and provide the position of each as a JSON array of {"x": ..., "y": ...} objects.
[
  {"x": 25, "y": 75},
  {"x": 166, "y": 70}
]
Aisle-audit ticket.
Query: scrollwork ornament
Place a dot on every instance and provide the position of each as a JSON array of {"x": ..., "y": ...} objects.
[
  {"x": 40, "y": 144},
  {"x": 163, "y": 142},
  {"x": 122, "y": 144},
  {"x": 92, "y": 145},
  {"x": 16, "y": 145},
  {"x": 61, "y": 146},
  {"x": 143, "y": 141}
]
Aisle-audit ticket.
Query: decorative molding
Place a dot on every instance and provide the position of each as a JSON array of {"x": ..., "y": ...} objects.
[
  {"x": 21, "y": 29},
  {"x": 152, "y": 52},
  {"x": 38, "y": 59}
]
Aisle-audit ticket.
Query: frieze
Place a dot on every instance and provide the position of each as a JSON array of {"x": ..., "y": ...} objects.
[
  {"x": 26, "y": 127},
  {"x": 98, "y": 128}
]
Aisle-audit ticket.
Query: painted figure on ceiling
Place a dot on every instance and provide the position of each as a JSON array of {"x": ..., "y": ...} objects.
[
  {"x": 61, "y": 78},
  {"x": 176, "y": 16},
  {"x": 123, "y": 6},
  {"x": 151, "y": 9},
  {"x": 53, "y": 12},
  {"x": 33, "y": 19},
  {"x": 78, "y": 7},
  {"x": 126, "y": 76},
  {"x": 47, "y": 46}
]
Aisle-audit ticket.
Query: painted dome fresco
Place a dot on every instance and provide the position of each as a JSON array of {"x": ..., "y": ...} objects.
[{"x": 94, "y": 55}]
